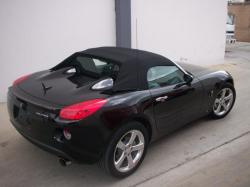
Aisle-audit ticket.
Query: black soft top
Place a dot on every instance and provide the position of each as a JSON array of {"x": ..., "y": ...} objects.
[
  {"x": 125, "y": 55},
  {"x": 134, "y": 65}
]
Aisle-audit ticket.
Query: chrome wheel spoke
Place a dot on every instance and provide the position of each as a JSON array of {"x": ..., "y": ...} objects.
[
  {"x": 229, "y": 97},
  {"x": 120, "y": 160},
  {"x": 132, "y": 138},
  {"x": 224, "y": 106},
  {"x": 121, "y": 145},
  {"x": 130, "y": 161},
  {"x": 217, "y": 110},
  {"x": 223, "y": 94},
  {"x": 137, "y": 147}
]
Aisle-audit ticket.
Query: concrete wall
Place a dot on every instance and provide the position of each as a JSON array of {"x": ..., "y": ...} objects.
[
  {"x": 190, "y": 31},
  {"x": 241, "y": 11},
  {"x": 36, "y": 35}
]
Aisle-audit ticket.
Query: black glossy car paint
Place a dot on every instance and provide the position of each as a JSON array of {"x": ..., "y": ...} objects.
[{"x": 35, "y": 112}]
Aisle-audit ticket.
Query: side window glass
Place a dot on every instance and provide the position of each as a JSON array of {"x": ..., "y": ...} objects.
[{"x": 160, "y": 76}]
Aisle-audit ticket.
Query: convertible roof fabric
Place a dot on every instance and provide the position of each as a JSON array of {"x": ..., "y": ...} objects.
[
  {"x": 134, "y": 65},
  {"x": 124, "y": 55}
]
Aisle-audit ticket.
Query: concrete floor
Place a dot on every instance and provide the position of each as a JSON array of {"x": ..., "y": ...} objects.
[{"x": 205, "y": 153}]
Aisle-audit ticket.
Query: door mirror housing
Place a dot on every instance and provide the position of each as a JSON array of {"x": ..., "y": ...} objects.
[{"x": 188, "y": 78}]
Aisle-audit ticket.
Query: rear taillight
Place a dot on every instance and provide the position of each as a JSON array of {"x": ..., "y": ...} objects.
[
  {"x": 81, "y": 110},
  {"x": 20, "y": 79}
]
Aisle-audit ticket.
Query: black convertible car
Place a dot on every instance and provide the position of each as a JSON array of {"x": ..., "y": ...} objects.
[{"x": 107, "y": 104}]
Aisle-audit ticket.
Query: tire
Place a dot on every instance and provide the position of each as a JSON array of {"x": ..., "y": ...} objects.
[
  {"x": 226, "y": 105},
  {"x": 114, "y": 152}
]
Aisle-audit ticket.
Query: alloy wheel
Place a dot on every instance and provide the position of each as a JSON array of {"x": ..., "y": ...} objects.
[
  {"x": 223, "y": 102},
  {"x": 129, "y": 151}
]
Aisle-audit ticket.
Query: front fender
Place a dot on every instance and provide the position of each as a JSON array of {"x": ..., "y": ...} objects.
[{"x": 212, "y": 83}]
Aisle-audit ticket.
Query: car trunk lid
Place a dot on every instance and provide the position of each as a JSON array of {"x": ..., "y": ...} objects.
[{"x": 59, "y": 87}]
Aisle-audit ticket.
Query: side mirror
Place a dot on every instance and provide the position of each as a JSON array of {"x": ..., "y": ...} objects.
[
  {"x": 188, "y": 78},
  {"x": 105, "y": 84}
]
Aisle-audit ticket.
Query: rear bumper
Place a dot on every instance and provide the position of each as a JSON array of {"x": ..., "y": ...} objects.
[
  {"x": 44, "y": 146},
  {"x": 89, "y": 137}
]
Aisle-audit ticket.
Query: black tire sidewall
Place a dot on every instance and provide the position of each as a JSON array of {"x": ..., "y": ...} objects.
[{"x": 109, "y": 154}]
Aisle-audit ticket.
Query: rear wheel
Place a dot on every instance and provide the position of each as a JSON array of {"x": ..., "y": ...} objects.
[
  {"x": 224, "y": 101},
  {"x": 126, "y": 150}
]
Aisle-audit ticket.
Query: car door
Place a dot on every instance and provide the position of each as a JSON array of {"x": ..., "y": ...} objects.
[{"x": 175, "y": 101}]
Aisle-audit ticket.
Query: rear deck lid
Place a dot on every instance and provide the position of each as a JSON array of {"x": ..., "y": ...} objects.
[
  {"x": 71, "y": 81},
  {"x": 59, "y": 87}
]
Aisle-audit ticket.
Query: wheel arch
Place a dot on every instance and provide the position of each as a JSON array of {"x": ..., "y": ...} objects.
[
  {"x": 143, "y": 120},
  {"x": 222, "y": 79},
  {"x": 230, "y": 80}
]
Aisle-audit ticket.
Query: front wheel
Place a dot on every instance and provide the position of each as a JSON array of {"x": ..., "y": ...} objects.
[
  {"x": 126, "y": 150},
  {"x": 224, "y": 101}
]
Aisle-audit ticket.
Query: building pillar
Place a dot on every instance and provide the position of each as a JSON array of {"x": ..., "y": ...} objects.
[{"x": 123, "y": 23}]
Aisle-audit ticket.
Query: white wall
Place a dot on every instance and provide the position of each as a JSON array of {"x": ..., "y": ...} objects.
[
  {"x": 38, "y": 34},
  {"x": 191, "y": 31}
]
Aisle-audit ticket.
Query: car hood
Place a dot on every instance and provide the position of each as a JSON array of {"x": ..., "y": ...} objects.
[
  {"x": 60, "y": 88},
  {"x": 197, "y": 71}
]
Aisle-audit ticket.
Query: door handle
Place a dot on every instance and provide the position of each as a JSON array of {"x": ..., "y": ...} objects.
[{"x": 161, "y": 99}]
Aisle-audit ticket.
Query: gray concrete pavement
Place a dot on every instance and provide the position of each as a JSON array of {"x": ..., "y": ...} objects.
[
  {"x": 204, "y": 153},
  {"x": 223, "y": 166}
]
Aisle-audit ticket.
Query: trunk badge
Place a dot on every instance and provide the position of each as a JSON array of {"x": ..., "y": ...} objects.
[{"x": 45, "y": 88}]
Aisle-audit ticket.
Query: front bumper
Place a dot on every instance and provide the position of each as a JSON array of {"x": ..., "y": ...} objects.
[{"x": 89, "y": 138}]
